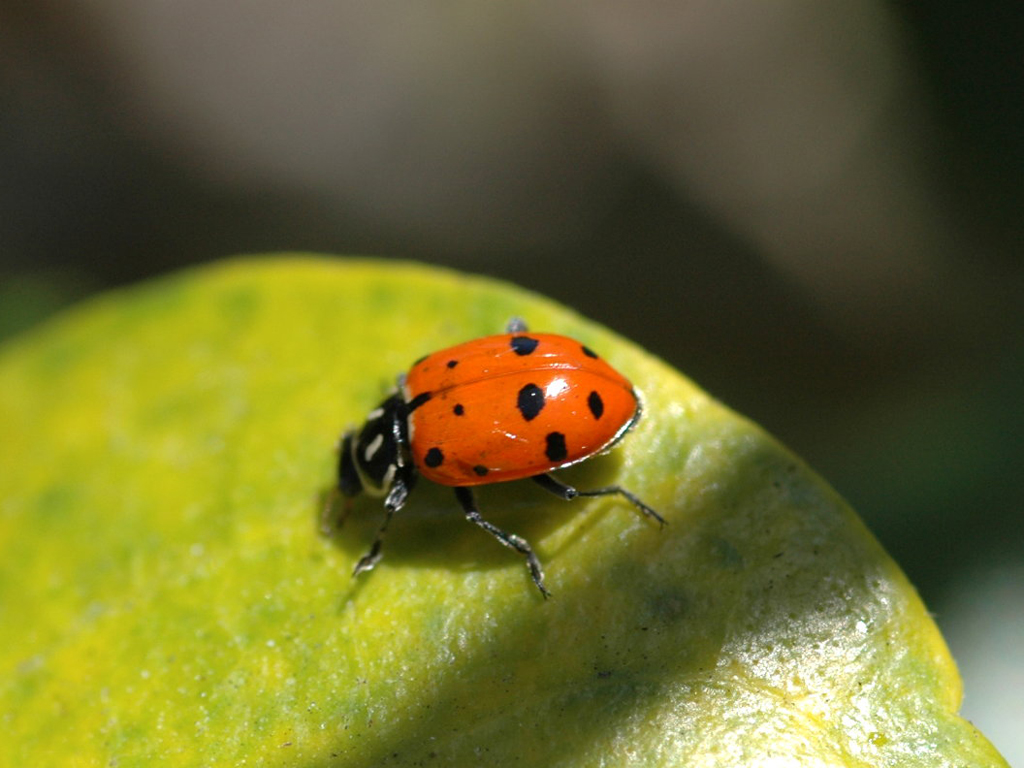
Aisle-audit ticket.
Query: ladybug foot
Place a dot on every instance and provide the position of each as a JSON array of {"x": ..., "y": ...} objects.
[
  {"x": 367, "y": 561},
  {"x": 510, "y": 540},
  {"x": 371, "y": 558},
  {"x": 567, "y": 492}
]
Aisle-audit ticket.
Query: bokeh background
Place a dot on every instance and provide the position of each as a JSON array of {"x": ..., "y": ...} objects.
[{"x": 811, "y": 208}]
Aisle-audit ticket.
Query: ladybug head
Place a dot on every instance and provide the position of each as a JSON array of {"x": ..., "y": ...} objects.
[{"x": 371, "y": 455}]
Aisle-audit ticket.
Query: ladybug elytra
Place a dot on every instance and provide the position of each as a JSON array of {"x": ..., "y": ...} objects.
[{"x": 506, "y": 407}]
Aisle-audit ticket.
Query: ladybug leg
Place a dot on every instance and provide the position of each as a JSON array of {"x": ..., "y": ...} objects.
[
  {"x": 403, "y": 482},
  {"x": 567, "y": 492},
  {"x": 516, "y": 325},
  {"x": 330, "y": 518},
  {"x": 371, "y": 558},
  {"x": 348, "y": 486},
  {"x": 510, "y": 540}
]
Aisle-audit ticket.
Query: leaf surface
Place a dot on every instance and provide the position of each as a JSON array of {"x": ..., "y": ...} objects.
[{"x": 166, "y": 596}]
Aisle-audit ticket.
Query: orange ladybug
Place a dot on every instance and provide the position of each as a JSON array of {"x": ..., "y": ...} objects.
[{"x": 506, "y": 407}]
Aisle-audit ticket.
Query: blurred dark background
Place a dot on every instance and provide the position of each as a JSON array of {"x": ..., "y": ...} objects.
[{"x": 814, "y": 210}]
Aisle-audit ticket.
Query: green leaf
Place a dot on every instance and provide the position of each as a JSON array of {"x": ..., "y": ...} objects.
[{"x": 166, "y": 596}]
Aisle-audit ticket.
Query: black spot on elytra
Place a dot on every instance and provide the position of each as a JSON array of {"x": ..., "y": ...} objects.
[
  {"x": 556, "y": 450},
  {"x": 588, "y": 351},
  {"x": 419, "y": 400},
  {"x": 481, "y": 470},
  {"x": 458, "y": 410},
  {"x": 596, "y": 404},
  {"x": 434, "y": 458},
  {"x": 452, "y": 363},
  {"x": 523, "y": 345},
  {"x": 530, "y": 401}
]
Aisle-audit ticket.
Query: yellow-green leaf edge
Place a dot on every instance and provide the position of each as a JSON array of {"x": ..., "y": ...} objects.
[{"x": 166, "y": 598}]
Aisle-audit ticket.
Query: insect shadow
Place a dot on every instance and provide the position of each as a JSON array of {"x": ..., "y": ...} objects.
[{"x": 431, "y": 531}]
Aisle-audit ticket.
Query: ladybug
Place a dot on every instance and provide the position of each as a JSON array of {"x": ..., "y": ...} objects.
[{"x": 506, "y": 407}]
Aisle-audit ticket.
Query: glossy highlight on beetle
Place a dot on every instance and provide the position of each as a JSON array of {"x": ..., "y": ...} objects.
[{"x": 506, "y": 407}]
